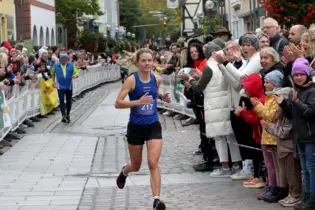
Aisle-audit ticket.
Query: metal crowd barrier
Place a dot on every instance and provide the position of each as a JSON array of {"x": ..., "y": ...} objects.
[
  {"x": 23, "y": 101},
  {"x": 168, "y": 85}
]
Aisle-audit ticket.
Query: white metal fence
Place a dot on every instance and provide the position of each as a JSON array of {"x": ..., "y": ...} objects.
[{"x": 23, "y": 101}]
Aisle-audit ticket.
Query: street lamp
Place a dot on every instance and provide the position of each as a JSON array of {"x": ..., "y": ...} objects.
[
  {"x": 128, "y": 34},
  {"x": 200, "y": 14},
  {"x": 209, "y": 5},
  {"x": 195, "y": 19},
  {"x": 133, "y": 35}
]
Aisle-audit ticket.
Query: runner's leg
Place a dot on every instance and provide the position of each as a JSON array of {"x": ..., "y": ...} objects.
[{"x": 134, "y": 164}]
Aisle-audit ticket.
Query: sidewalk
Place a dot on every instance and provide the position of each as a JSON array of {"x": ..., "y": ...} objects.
[{"x": 77, "y": 169}]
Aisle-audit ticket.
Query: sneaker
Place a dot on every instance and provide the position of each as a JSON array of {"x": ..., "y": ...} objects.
[
  {"x": 68, "y": 119},
  {"x": 271, "y": 195},
  {"x": 158, "y": 205},
  {"x": 204, "y": 166},
  {"x": 289, "y": 201},
  {"x": 262, "y": 195},
  {"x": 220, "y": 173},
  {"x": 242, "y": 175},
  {"x": 235, "y": 170},
  {"x": 301, "y": 205},
  {"x": 254, "y": 183},
  {"x": 64, "y": 119},
  {"x": 198, "y": 152},
  {"x": 121, "y": 179}
]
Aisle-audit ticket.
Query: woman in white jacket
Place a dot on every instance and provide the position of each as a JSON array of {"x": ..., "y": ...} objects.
[{"x": 234, "y": 76}]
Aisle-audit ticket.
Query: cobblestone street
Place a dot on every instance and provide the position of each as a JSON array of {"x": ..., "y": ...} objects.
[{"x": 69, "y": 167}]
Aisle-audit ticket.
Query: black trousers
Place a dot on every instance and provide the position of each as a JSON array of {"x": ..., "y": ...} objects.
[
  {"x": 207, "y": 145},
  {"x": 62, "y": 94},
  {"x": 244, "y": 135}
]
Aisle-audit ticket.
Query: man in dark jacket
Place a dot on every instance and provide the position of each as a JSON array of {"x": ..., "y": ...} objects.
[{"x": 272, "y": 29}]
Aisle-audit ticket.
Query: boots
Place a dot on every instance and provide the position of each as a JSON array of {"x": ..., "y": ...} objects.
[
  {"x": 307, "y": 204},
  {"x": 276, "y": 194}
]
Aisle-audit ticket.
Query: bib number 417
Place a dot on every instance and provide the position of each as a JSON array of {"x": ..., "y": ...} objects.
[{"x": 147, "y": 107}]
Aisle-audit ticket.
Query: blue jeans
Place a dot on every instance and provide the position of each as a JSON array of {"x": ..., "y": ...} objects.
[{"x": 307, "y": 158}]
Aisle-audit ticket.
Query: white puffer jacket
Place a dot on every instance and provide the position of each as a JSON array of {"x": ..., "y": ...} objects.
[{"x": 216, "y": 105}]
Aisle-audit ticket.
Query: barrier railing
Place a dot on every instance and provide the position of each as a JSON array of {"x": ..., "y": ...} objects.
[
  {"x": 168, "y": 85},
  {"x": 24, "y": 101}
]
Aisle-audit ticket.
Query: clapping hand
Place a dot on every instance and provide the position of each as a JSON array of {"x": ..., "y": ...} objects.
[
  {"x": 298, "y": 51},
  {"x": 196, "y": 73},
  {"x": 219, "y": 58},
  {"x": 279, "y": 99},
  {"x": 264, "y": 124},
  {"x": 254, "y": 101},
  {"x": 294, "y": 95},
  {"x": 238, "y": 110}
]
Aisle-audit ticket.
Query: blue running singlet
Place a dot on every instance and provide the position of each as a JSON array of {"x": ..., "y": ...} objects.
[{"x": 144, "y": 114}]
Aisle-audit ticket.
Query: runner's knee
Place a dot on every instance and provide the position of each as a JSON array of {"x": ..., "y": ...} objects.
[
  {"x": 136, "y": 166},
  {"x": 153, "y": 164}
]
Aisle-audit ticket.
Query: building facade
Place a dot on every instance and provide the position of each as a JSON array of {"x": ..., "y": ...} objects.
[
  {"x": 7, "y": 21},
  {"x": 112, "y": 12},
  {"x": 36, "y": 20},
  {"x": 244, "y": 16}
]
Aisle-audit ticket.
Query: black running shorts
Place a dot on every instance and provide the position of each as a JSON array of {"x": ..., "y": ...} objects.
[{"x": 139, "y": 134}]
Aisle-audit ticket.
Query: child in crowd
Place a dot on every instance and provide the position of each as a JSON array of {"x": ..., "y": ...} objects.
[
  {"x": 300, "y": 107},
  {"x": 253, "y": 88},
  {"x": 289, "y": 165},
  {"x": 267, "y": 112}
]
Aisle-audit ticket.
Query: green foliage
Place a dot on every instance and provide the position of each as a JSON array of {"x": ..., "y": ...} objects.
[
  {"x": 209, "y": 24},
  {"x": 68, "y": 12},
  {"x": 137, "y": 12}
]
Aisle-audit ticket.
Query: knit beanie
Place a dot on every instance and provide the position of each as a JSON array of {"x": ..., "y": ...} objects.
[
  {"x": 275, "y": 77},
  {"x": 252, "y": 39},
  {"x": 301, "y": 66},
  {"x": 219, "y": 42}
]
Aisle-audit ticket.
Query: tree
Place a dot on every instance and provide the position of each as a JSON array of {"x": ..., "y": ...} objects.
[
  {"x": 69, "y": 13},
  {"x": 137, "y": 12},
  {"x": 130, "y": 13},
  {"x": 290, "y": 12}
]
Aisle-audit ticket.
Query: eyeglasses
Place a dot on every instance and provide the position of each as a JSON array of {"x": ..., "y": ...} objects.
[{"x": 268, "y": 27}]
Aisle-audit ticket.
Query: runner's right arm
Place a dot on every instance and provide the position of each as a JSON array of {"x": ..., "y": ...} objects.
[{"x": 127, "y": 87}]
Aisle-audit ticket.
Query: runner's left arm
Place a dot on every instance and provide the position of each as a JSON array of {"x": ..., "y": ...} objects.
[{"x": 163, "y": 97}]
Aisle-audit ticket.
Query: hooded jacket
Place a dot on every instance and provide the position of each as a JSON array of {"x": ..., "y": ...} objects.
[
  {"x": 282, "y": 129},
  {"x": 253, "y": 86}
]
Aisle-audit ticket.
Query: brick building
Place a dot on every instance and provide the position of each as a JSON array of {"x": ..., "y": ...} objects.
[{"x": 36, "y": 20}]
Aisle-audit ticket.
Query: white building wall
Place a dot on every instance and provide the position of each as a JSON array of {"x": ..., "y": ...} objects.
[
  {"x": 48, "y": 2},
  {"x": 102, "y": 19},
  {"x": 112, "y": 15},
  {"x": 42, "y": 18}
]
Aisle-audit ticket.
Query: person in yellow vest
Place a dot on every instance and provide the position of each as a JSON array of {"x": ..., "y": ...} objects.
[{"x": 63, "y": 73}]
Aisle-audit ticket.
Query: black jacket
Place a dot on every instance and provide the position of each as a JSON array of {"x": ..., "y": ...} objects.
[{"x": 302, "y": 114}]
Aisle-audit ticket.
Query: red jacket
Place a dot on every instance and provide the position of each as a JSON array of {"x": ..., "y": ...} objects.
[{"x": 253, "y": 86}]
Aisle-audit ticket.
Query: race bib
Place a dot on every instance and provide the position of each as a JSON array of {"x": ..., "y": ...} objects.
[{"x": 147, "y": 109}]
